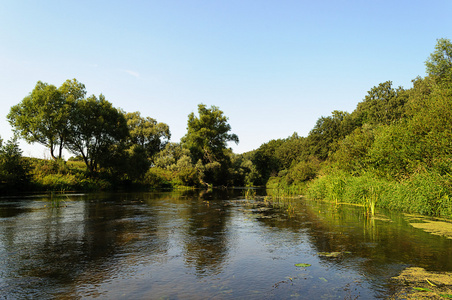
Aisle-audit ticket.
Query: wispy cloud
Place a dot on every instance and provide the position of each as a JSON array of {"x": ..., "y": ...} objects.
[{"x": 133, "y": 73}]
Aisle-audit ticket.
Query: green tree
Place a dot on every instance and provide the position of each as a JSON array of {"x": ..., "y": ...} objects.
[
  {"x": 266, "y": 161},
  {"x": 208, "y": 134},
  {"x": 169, "y": 156},
  {"x": 42, "y": 117},
  {"x": 95, "y": 127},
  {"x": 439, "y": 64},
  {"x": 352, "y": 153},
  {"x": 14, "y": 170},
  {"x": 147, "y": 133},
  {"x": 206, "y": 138},
  {"x": 324, "y": 138},
  {"x": 382, "y": 105},
  {"x": 291, "y": 150}
]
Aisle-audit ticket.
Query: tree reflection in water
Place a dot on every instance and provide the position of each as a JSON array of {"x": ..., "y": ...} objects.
[{"x": 194, "y": 244}]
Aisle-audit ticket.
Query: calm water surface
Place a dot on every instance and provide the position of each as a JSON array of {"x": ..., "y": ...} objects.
[{"x": 199, "y": 245}]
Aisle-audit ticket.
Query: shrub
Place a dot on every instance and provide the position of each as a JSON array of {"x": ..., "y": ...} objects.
[{"x": 158, "y": 178}]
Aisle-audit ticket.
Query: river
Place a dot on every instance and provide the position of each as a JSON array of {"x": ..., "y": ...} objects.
[{"x": 204, "y": 245}]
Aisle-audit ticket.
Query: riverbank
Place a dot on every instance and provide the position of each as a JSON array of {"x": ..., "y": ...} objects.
[{"x": 426, "y": 193}]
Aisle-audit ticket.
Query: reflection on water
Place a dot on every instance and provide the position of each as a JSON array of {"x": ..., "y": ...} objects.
[{"x": 193, "y": 245}]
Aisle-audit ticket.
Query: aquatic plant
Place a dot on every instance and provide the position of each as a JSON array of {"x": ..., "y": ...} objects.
[{"x": 249, "y": 194}]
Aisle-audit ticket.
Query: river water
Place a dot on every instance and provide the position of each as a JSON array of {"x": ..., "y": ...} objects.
[{"x": 204, "y": 245}]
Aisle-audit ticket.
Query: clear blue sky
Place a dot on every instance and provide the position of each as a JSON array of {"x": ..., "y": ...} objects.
[{"x": 273, "y": 67}]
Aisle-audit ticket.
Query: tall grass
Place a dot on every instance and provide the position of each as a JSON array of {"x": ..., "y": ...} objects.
[{"x": 426, "y": 192}]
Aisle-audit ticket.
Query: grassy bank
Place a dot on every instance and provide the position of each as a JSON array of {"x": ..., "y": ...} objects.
[
  {"x": 426, "y": 193},
  {"x": 51, "y": 175}
]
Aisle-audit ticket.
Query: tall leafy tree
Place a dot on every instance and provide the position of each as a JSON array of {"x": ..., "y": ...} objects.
[
  {"x": 206, "y": 139},
  {"x": 43, "y": 115},
  {"x": 265, "y": 159},
  {"x": 147, "y": 133},
  {"x": 382, "y": 105},
  {"x": 14, "y": 170},
  {"x": 208, "y": 134},
  {"x": 95, "y": 127},
  {"x": 327, "y": 133},
  {"x": 439, "y": 64}
]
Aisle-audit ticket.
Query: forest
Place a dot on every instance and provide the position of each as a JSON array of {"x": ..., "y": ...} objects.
[{"x": 393, "y": 151}]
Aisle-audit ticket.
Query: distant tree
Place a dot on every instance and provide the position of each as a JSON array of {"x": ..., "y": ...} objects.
[
  {"x": 95, "y": 127},
  {"x": 292, "y": 149},
  {"x": 168, "y": 157},
  {"x": 327, "y": 132},
  {"x": 207, "y": 138},
  {"x": 14, "y": 170},
  {"x": 382, "y": 105},
  {"x": 147, "y": 133},
  {"x": 208, "y": 134},
  {"x": 439, "y": 64},
  {"x": 244, "y": 171},
  {"x": 352, "y": 153},
  {"x": 266, "y": 161}
]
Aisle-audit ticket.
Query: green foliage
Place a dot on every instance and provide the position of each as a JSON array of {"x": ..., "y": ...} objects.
[
  {"x": 352, "y": 153},
  {"x": 206, "y": 140},
  {"x": 394, "y": 150},
  {"x": 158, "y": 178},
  {"x": 304, "y": 170},
  {"x": 439, "y": 64},
  {"x": 57, "y": 182},
  {"x": 291, "y": 150},
  {"x": 187, "y": 173},
  {"x": 382, "y": 105},
  {"x": 168, "y": 156},
  {"x": 14, "y": 169},
  {"x": 244, "y": 171},
  {"x": 44, "y": 115},
  {"x": 95, "y": 127},
  {"x": 208, "y": 134},
  {"x": 323, "y": 139},
  {"x": 147, "y": 133}
]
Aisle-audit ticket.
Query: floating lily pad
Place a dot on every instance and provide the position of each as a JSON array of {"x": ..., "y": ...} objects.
[{"x": 302, "y": 265}]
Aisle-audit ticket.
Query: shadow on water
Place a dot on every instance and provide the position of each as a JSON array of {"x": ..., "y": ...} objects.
[{"x": 205, "y": 244}]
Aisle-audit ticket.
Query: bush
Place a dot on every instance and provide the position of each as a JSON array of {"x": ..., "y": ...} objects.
[
  {"x": 304, "y": 170},
  {"x": 158, "y": 178},
  {"x": 57, "y": 182}
]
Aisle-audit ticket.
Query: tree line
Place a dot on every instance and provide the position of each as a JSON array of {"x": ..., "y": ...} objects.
[
  {"x": 393, "y": 149},
  {"x": 117, "y": 146}
]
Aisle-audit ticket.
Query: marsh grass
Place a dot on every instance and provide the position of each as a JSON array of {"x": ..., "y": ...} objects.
[
  {"x": 249, "y": 194},
  {"x": 426, "y": 192}
]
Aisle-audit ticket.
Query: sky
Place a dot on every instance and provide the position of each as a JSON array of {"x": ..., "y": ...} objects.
[{"x": 273, "y": 67}]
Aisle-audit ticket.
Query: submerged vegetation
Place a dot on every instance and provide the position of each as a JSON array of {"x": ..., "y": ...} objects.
[{"x": 392, "y": 151}]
